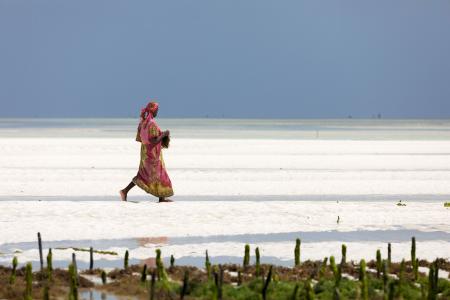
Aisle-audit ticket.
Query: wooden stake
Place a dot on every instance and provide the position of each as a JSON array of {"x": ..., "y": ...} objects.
[
  {"x": 41, "y": 257},
  {"x": 185, "y": 284},
  {"x": 91, "y": 258},
  {"x": 75, "y": 268},
  {"x": 152, "y": 286},
  {"x": 266, "y": 284},
  {"x": 297, "y": 252},
  {"x": 389, "y": 254},
  {"x": 144, "y": 274},
  {"x": 172, "y": 261},
  {"x": 104, "y": 277},
  {"x": 207, "y": 265}
]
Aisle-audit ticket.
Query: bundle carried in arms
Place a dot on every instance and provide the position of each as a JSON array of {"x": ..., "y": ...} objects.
[{"x": 165, "y": 141}]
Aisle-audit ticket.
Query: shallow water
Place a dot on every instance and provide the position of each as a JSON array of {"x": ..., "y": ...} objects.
[
  {"x": 355, "y": 129},
  {"x": 399, "y": 235},
  {"x": 93, "y": 294}
]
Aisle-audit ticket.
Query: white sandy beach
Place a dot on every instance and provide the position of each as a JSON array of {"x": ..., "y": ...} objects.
[
  {"x": 229, "y": 191},
  {"x": 100, "y": 167}
]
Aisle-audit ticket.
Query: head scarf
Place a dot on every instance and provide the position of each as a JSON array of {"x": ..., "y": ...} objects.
[
  {"x": 147, "y": 114},
  {"x": 149, "y": 110}
]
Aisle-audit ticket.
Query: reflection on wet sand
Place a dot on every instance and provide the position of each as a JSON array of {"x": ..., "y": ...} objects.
[
  {"x": 94, "y": 294},
  {"x": 157, "y": 240},
  {"x": 150, "y": 262},
  {"x": 151, "y": 242}
]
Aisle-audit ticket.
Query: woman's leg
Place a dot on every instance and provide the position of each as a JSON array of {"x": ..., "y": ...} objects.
[
  {"x": 162, "y": 199},
  {"x": 124, "y": 192}
]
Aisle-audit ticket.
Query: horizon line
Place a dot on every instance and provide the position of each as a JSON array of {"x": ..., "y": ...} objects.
[{"x": 235, "y": 118}]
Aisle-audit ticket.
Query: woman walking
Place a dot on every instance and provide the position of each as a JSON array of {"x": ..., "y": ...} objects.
[{"x": 152, "y": 176}]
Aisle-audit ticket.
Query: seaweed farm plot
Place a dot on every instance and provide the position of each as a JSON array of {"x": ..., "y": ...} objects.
[{"x": 378, "y": 278}]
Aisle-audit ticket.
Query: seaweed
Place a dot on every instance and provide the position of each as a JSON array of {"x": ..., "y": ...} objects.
[
  {"x": 73, "y": 291},
  {"x": 162, "y": 275},
  {"x": 12, "y": 278},
  {"x": 363, "y": 280},
  {"x": 87, "y": 250},
  {"x": 246, "y": 260},
  {"x": 28, "y": 282},
  {"x": 312, "y": 279},
  {"x": 125, "y": 260},
  {"x": 49, "y": 264},
  {"x": 344, "y": 254},
  {"x": 379, "y": 263},
  {"x": 207, "y": 264},
  {"x": 257, "y": 263}
]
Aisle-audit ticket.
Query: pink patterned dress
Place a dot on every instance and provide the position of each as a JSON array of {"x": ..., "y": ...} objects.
[{"x": 152, "y": 175}]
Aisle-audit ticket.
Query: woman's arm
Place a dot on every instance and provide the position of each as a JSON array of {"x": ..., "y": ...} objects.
[{"x": 157, "y": 140}]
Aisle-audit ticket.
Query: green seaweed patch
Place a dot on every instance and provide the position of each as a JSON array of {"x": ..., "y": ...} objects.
[
  {"x": 88, "y": 250},
  {"x": 447, "y": 204},
  {"x": 302, "y": 282}
]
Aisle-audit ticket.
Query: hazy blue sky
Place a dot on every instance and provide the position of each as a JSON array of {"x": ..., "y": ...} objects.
[{"x": 236, "y": 58}]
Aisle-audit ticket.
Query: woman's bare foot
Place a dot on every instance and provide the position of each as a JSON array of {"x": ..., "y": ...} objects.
[
  {"x": 165, "y": 200},
  {"x": 123, "y": 195}
]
